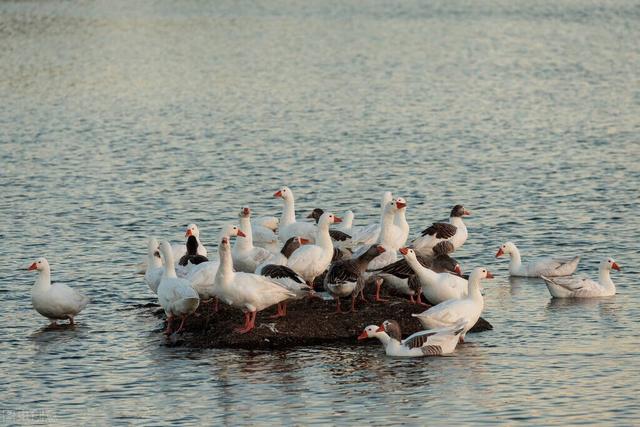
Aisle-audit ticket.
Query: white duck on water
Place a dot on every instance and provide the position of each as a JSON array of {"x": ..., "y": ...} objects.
[
  {"x": 435, "y": 342},
  {"x": 469, "y": 309},
  {"x": 549, "y": 267},
  {"x": 176, "y": 296},
  {"x": 582, "y": 287},
  {"x": 153, "y": 275},
  {"x": 54, "y": 301}
]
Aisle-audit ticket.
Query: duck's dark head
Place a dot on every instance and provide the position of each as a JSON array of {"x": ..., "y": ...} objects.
[
  {"x": 392, "y": 328},
  {"x": 316, "y": 214},
  {"x": 458, "y": 211}
]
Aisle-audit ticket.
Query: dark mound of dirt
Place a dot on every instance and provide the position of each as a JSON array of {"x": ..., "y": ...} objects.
[{"x": 308, "y": 322}]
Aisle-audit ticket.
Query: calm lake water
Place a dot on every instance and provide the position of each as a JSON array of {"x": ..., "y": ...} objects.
[{"x": 120, "y": 120}]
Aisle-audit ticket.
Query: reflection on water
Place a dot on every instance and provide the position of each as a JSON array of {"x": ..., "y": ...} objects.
[{"x": 124, "y": 120}]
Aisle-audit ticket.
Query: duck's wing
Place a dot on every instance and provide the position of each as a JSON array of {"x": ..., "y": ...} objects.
[
  {"x": 342, "y": 271},
  {"x": 440, "y": 230},
  {"x": 573, "y": 283},
  {"x": 274, "y": 271}
]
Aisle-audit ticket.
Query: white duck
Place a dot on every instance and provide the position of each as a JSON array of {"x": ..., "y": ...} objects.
[
  {"x": 450, "y": 312},
  {"x": 581, "y": 287},
  {"x": 370, "y": 234},
  {"x": 388, "y": 238},
  {"x": 289, "y": 227},
  {"x": 435, "y": 342},
  {"x": 454, "y": 231},
  {"x": 247, "y": 257},
  {"x": 153, "y": 275},
  {"x": 264, "y": 233},
  {"x": 176, "y": 296},
  {"x": 310, "y": 261},
  {"x": 247, "y": 291},
  {"x": 400, "y": 221},
  {"x": 436, "y": 287},
  {"x": 346, "y": 226},
  {"x": 549, "y": 267},
  {"x": 57, "y": 301},
  {"x": 179, "y": 250},
  {"x": 202, "y": 276}
]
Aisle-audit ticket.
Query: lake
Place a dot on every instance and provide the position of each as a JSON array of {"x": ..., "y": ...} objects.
[{"x": 123, "y": 120}]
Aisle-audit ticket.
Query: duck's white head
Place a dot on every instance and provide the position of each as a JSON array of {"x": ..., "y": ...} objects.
[
  {"x": 506, "y": 249},
  {"x": 370, "y": 331},
  {"x": 348, "y": 216},
  {"x": 386, "y": 197},
  {"x": 329, "y": 218},
  {"x": 400, "y": 203},
  {"x": 152, "y": 245},
  {"x": 609, "y": 264},
  {"x": 245, "y": 213},
  {"x": 480, "y": 273},
  {"x": 230, "y": 230},
  {"x": 165, "y": 250},
  {"x": 41, "y": 264},
  {"x": 271, "y": 223},
  {"x": 192, "y": 230},
  {"x": 284, "y": 193},
  {"x": 224, "y": 244},
  {"x": 408, "y": 253}
]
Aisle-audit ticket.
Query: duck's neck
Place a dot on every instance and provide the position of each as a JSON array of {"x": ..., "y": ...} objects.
[
  {"x": 515, "y": 263},
  {"x": 247, "y": 241},
  {"x": 605, "y": 279},
  {"x": 347, "y": 222},
  {"x": 401, "y": 221},
  {"x": 225, "y": 273},
  {"x": 386, "y": 230},
  {"x": 169, "y": 267},
  {"x": 458, "y": 222},
  {"x": 288, "y": 212},
  {"x": 424, "y": 273},
  {"x": 383, "y": 338},
  {"x": 44, "y": 279},
  {"x": 323, "y": 239},
  {"x": 474, "y": 288}
]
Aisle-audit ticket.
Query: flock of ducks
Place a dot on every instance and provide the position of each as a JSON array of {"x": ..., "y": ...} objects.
[{"x": 274, "y": 261}]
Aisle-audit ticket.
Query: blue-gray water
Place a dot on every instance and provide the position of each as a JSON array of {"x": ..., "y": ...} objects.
[{"x": 120, "y": 120}]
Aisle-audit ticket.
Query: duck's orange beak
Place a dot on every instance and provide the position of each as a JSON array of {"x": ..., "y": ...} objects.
[
  {"x": 458, "y": 270},
  {"x": 489, "y": 275},
  {"x": 401, "y": 205},
  {"x": 499, "y": 253},
  {"x": 404, "y": 251},
  {"x": 466, "y": 213},
  {"x": 32, "y": 267},
  {"x": 363, "y": 336},
  {"x": 380, "y": 249},
  {"x": 304, "y": 241},
  {"x": 337, "y": 219},
  {"x": 241, "y": 234},
  {"x": 380, "y": 328},
  {"x": 188, "y": 233},
  {"x": 615, "y": 266},
  {"x": 277, "y": 194}
]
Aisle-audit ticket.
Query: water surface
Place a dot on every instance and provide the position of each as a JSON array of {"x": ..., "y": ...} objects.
[{"x": 123, "y": 120}]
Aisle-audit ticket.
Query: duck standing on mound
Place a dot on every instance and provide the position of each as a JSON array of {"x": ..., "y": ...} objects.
[
  {"x": 247, "y": 257},
  {"x": 549, "y": 267},
  {"x": 247, "y": 291},
  {"x": 582, "y": 287},
  {"x": 435, "y": 342},
  {"x": 57, "y": 301},
  {"x": 454, "y": 231},
  {"x": 449, "y": 313},
  {"x": 310, "y": 261},
  {"x": 289, "y": 227},
  {"x": 179, "y": 250},
  {"x": 192, "y": 255},
  {"x": 345, "y": 277},
  {"x": 176, "y": 296},
  {"x": 153, "y": 275}
]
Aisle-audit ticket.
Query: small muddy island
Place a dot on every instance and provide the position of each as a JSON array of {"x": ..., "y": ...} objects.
[{"x": 308, "y": 322}]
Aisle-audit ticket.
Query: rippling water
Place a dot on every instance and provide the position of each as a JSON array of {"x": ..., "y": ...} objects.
[{"x": 122, "y": 120}]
